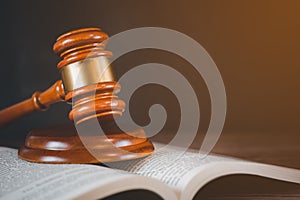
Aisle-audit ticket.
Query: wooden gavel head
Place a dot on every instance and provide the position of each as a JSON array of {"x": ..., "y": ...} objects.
[
  {"x": 87, "y": 75},
  {"x": 89, "y": 84}
]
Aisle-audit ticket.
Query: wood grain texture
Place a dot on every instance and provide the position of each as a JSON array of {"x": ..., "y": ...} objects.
[
  {"x": 39, "y": 101},
  {"x": 80, "y": 44},
  {"x": 97, "y": 100},
  {"x": 92, "y": 102},
  {"x": 63, "y": 145}
]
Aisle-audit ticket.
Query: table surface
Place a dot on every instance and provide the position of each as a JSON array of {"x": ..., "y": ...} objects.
[{"x": 271, "y": 148}]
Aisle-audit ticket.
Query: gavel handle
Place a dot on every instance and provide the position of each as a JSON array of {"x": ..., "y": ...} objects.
[{"x": 38, "y": 101}]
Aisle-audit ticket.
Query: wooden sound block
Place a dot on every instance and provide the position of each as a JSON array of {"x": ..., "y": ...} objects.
[{"x": 63, "y": 145}]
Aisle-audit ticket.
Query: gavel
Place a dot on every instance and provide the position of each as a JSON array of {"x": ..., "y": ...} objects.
[{"x": 87, "y": 82}]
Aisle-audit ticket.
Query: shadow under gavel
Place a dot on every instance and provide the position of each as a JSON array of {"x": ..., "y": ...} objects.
[{"x": 87, "y": 82}]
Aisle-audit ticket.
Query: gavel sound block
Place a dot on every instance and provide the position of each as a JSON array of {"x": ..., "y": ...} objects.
[{"x": 88, "y": 82}]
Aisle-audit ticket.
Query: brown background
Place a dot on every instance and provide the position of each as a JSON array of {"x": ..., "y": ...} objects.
[{"x": 254, "y": 43}]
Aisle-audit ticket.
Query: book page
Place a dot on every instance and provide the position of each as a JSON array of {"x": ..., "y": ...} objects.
[
  {"x": 170, "y": 165},
  {"x": 25, "y": 180},
  {"x": 186, "y": 171}
]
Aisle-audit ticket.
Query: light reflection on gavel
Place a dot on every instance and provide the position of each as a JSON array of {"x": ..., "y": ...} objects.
[{"x": 87, "y": 82}]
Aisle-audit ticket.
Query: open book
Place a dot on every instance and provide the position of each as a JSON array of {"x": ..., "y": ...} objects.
[{"x": 169, "y": 173}]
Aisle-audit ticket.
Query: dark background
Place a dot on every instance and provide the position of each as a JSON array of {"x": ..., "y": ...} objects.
[{"x": 254, "y": 43}]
